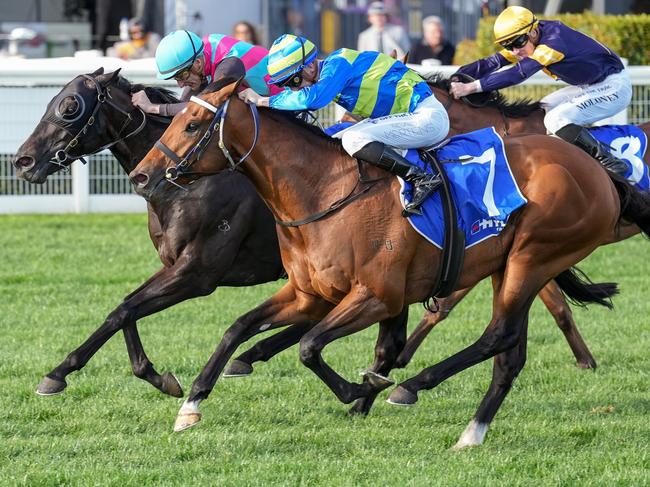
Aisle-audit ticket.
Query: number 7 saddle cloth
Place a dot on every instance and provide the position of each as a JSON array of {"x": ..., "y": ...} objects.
[{"x": 482, "y": 186}]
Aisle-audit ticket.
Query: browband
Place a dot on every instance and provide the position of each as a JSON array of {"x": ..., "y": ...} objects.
[{"x": 203, "y": 103}]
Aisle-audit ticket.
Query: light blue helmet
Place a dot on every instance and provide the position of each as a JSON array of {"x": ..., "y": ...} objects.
[{"x": 177, "y": 51}]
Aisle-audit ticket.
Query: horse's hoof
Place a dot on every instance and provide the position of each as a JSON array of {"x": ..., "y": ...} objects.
[
  {"x": 402, "y": 397},
  {"x": 359, "y": 409},
  {"x": 185, "y": 421},
  {"x": 171, "y": 385},
  {"x": 589, "y": 364},
  {"x": 377, "y": 381},
  {"x": 50, "y": 387},
  {"x": 238, "y": 368}
]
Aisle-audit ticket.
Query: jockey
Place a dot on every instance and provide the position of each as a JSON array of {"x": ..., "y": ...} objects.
[
  {"x": 398, "y": 105},
  {"x": 191, "y": 62},
  {"x": 599, "y": 85}
]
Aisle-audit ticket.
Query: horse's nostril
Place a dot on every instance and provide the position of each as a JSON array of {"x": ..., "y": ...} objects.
[
  {"x": 140, "y": 179},
  {"x": 25, "y": 162}
]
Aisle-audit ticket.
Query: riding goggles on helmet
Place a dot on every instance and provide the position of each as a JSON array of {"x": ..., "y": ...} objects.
[{"x": 516, "y": 43}]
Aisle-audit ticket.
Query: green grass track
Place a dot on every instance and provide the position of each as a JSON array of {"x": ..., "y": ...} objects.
[{"x": 61, "y": 275}]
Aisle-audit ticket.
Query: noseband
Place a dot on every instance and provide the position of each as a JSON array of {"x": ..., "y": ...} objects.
[
  {"x": 66, "y": 123},
  {"x": 194, "y": 154}
]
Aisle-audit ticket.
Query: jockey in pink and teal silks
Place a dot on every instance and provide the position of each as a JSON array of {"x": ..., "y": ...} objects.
[{"x": 191, "y": 62}]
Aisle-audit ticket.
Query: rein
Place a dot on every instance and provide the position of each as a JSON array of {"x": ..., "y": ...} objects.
[
  {"x": 349, "y": 198},
  {"x": 195, "y": 153},
  {"x": 103, "y": 96}
]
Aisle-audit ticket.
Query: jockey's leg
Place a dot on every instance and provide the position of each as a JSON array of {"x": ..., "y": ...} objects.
[
  {"x": 581, "y": 137},
  {"x": 378, "y": 154},
  {"x": 425, "y": 126},
  {"x": 592, "y": 104}
]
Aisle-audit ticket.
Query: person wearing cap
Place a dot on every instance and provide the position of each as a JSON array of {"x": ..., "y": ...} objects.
[
  {"x": 397, "y": 103},
  {"x": 141, "y": 43},
  {"x": 599, "y": 86},
  {"x": 383, "y": 36},
  {"x": 191, "y": 61}
]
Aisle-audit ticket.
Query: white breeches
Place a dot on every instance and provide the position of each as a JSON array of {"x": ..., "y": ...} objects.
[
  {"x": 586, "y": 104},
  {"x": 427, "y": 125}
]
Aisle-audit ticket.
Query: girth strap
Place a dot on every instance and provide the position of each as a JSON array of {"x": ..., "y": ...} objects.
[{"x": 453, "y": 249}]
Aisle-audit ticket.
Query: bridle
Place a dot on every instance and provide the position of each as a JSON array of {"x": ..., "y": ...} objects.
[
  {"x": 69, "y": 123},
  {"x": 194, "y": 154}
]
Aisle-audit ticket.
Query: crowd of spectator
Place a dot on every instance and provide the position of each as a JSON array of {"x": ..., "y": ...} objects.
[{"x": 382, "y": 35}]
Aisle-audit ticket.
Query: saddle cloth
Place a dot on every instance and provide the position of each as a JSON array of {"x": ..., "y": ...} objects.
[
  {"x": 628, "y": 143},
  {"x": 483, "y": 188}
]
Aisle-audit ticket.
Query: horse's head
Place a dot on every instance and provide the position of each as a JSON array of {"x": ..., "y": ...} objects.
[
  {"x": 71, "y": 126},
  {"x": 189, "y": 145}
]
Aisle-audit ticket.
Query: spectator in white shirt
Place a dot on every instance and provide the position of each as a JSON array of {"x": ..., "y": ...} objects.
[{"x": 383, "y": 36}]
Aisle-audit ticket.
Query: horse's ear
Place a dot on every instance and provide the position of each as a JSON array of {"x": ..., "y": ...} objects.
[
  {"x": 108, "y": 78},
  {"x": 218, "y": 96},
  {"x": 98, "y": 71}
]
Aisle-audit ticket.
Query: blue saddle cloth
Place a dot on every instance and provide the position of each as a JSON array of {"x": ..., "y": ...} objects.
[
  {"x": 482, "y": 186},
  {"x": 628, "y": 143}
]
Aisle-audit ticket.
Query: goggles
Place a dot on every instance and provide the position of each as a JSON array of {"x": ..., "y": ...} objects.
[
  {"x": 516, "y": 43},
  {"x": 184, "y": 73}
]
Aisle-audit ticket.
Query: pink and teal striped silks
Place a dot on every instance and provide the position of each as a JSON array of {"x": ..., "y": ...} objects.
[{"x": 219, "y": 46}]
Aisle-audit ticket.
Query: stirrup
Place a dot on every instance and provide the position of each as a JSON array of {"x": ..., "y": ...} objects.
[{"x": 423, "y": 188}]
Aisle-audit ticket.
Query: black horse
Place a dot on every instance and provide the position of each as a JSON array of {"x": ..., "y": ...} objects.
[{"x": 218, "y": 234}]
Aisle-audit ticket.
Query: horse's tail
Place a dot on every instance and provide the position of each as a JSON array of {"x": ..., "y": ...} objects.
[
  {"x": 635, "y": 204},
  {"x": 580, "y": 290}
]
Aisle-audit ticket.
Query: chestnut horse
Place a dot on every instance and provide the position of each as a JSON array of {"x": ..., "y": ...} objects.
[{"x": 336, "y": 275}]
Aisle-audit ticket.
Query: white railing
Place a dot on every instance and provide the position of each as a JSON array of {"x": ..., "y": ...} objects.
[{"x": 26, "y": 86}]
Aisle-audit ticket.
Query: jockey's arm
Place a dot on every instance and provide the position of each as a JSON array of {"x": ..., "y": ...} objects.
[
  {"x": 521, "y": 71},
  {"x": 485, "y": 66},
  {"x": 333, "y": 78}
]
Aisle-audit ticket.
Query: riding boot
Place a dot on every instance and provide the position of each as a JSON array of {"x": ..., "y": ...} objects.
[
  {"x": 581, "y": 137},
  {"x": 424, "y": 184}
]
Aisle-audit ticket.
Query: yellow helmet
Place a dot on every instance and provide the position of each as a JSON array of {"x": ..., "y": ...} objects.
[{"x": 513, "y": 22}]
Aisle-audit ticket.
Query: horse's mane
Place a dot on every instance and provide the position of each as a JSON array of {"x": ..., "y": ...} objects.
[
  {"x": 292, "y": 118},
  {"x": 155, "y": 93},
  {"x": 513, "y": 109}
]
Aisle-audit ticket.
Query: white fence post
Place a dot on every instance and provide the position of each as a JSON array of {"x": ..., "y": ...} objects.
[{"x": 81, "y": 187}]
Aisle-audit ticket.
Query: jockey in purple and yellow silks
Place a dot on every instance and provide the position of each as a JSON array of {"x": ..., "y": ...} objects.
[
  {"x": 599, "y": 86},
  {"x": 397, "y": 103},
  {"x": 191, "y": 62}
]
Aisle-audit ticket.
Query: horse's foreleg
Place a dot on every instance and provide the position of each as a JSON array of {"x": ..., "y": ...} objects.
[
  {"x": 358, "y": 310},
  {"x": 557, "y": 305},
  {"x": 263, "y": 350},
  {"x": 391, "y": 339},
  {"x": 166, "y": 288},
  {"x": 287, "y": 306},
  {"x": 429, "y": 320}
]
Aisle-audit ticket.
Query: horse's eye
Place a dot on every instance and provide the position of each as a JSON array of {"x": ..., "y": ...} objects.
[{"x": 192, "y": 127}]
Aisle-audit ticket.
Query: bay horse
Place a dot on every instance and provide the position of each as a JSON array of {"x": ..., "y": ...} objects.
[{"x": 337, "y": 277}]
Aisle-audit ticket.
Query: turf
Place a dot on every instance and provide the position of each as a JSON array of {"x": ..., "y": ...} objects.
[{"x": 61, "y": 275}]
